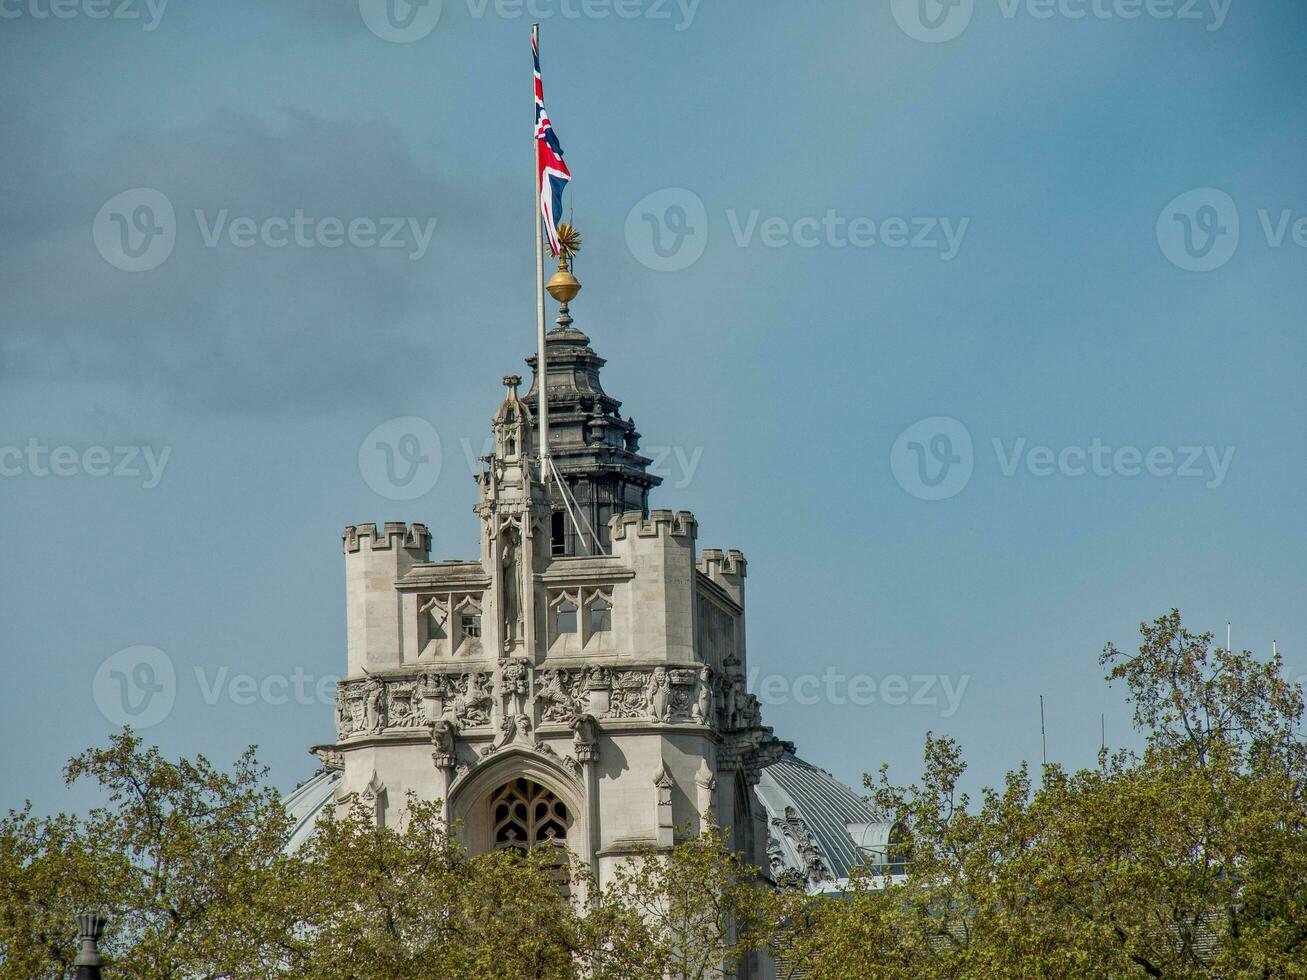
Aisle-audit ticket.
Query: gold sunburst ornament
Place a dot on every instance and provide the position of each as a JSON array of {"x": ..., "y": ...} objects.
[
  {"x": 569, "y": 239},
  {"x": 563, "y": 286}
]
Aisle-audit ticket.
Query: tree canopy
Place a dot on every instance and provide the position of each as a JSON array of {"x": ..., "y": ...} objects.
[{"x": 1184, "y": 858}]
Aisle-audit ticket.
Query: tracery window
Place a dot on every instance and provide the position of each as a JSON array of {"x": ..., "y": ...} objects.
[{"x": 525, "y": 815}]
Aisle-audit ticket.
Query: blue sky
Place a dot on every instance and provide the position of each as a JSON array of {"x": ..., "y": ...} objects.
[{"x": 1019, "y": 182}]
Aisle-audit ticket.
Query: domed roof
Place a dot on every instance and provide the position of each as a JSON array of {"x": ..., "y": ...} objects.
[
  {"x": 308, "y": 802},
  {"x": 819, "y": 829}
]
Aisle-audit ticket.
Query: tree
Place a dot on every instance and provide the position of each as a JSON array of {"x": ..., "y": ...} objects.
[
  {"x": 688, "y": 912},
  {"x": 381, "y": 903},
  {"x": 49, "y": 869},
  {"x": 185, "y": 859},
  {"x": 189, "y": 864},
  {"x": 1186, "y": 859}
]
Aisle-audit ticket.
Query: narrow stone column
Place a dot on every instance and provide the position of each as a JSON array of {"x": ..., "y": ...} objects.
[{"x": 90, "y": 928}]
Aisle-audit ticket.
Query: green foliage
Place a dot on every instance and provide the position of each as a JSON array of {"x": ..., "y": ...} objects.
[
  {"x": 188, "y": 864},
  {"x": 684, "y": 913},
  {"x": 1187, "y": 858},
  {"x": 378, "y": 903}
]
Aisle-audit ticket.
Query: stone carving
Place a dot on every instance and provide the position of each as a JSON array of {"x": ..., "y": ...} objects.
[
  {"x": 585, "y": 738},
  {"x": 442, "y": 743},
  {"x": 514, "y": 728},
  {"x": 630, "y": 694},
  {"x": 404, "y": 707},
  {"x": 516, "y": 676},
  {"x": 667, "y": 695},
  {"x": 660, "y": 695},
  {"x": 472, "y": 699},
  {"x": 702, "y": 712},
  {"x": 374, "y": 712},
  {"x": 510, "y": 540},
  {"x": 560, "y": 697},
  {"x": 516, "y": 731},
  {"x": 332, "y": 759},
  {"x": 796, "y": 831}
]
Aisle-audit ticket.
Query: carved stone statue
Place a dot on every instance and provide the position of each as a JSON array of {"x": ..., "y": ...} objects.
[
  {"x": 374, "y": 720},
  {"x": 702, "y": 711},
  {"x": 510, "y": 569},
  {"x": 660, "y": 694}
]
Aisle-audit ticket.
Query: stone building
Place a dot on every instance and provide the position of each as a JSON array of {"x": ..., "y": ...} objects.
[{"x": 582, "y": 680}]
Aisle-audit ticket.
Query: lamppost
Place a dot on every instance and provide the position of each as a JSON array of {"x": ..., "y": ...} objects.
[{"x": 90, "y": 927}]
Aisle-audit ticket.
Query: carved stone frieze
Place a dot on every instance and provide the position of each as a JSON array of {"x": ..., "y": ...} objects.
[{"x": 474, "y": 699}]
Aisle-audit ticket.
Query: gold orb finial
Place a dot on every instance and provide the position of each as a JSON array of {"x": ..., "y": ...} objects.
[{"x": 563, "y": 286}]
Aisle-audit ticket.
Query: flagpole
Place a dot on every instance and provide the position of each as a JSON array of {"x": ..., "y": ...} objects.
[{"x": 541, "y": 369}]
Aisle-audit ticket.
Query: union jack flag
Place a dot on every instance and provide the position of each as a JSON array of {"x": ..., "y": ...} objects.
[{"x": 552, "y": 172}]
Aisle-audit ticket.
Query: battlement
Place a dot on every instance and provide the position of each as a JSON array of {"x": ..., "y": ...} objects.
[
  {"x": 714, "y": 562},
  {"x": 661, "y": 523},
  {"x": 394, "y": 534}
]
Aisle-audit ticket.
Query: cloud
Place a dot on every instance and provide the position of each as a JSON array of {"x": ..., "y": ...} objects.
[{"x": 217, "y": 325}]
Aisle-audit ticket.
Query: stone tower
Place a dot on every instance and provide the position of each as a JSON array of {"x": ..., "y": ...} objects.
[
  {"x": 605, "y": 690},
  {"x": 594, "y": 448}
]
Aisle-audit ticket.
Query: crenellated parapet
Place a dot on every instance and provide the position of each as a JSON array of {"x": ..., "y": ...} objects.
[
  {"x": 716, "y": 563},
  {"x": 375, "y": 561},
  {"x": 393, "y": 535},
  {"x": 659, "y": 523}
]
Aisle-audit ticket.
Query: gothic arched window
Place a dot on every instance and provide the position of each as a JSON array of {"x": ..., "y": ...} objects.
[{"x": 525, "y": 815}]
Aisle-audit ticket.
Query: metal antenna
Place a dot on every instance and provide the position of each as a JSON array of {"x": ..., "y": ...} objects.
[{"x": 1043, "y": 736}]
